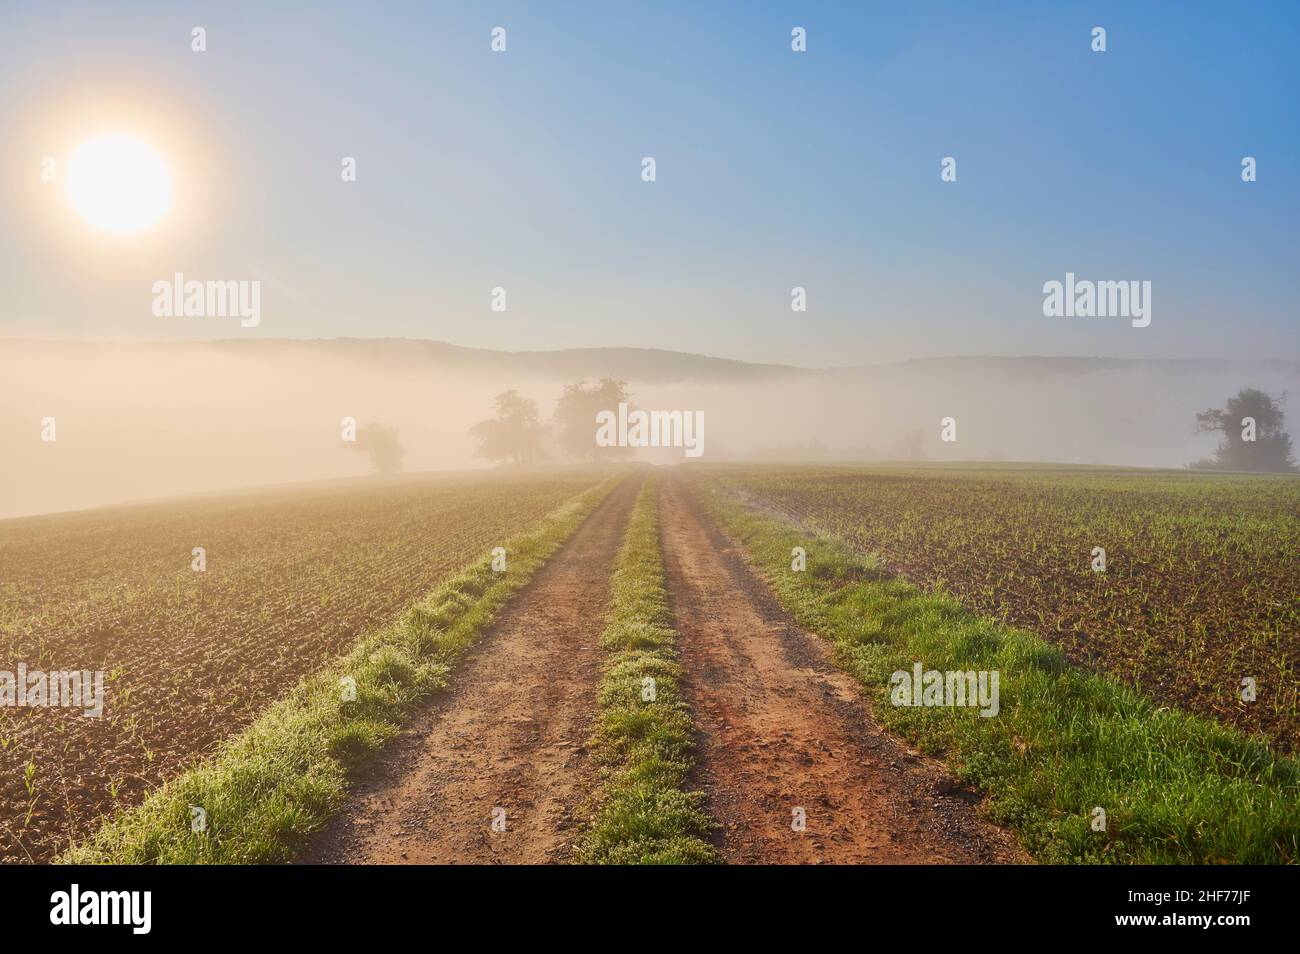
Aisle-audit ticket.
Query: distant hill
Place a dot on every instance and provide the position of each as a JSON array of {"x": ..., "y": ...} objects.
[
  {"x": 645, "y": 365},
  {"x": 415, "y": 355}
]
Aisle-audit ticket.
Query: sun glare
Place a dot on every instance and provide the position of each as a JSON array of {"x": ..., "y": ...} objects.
[{"x": 118, "y": 184}]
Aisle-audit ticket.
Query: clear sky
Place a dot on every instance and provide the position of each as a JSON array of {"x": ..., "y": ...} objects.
[{"x": 522, "y": 169}]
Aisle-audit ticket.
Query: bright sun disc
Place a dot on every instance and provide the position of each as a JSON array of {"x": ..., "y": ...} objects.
[{"x": 118, "y": 184}]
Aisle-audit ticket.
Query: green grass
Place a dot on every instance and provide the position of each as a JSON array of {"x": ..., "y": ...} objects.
[
  {"x": 268, "y": 788},
  {"x": 1176, "y": 788},
  {"x": 645, "y": 815}
]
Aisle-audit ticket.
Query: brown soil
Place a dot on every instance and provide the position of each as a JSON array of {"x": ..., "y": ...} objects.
[
  {"x": 1199, "y": 589},
  {"x": 780, "y": 728},
  {"x": 510, "y": 734},
  {"x": 295, "y": 575}
]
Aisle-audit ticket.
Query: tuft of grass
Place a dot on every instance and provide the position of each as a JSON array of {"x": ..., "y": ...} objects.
[
  {"x": 267, "y": 789},
  {"x": 1175, "y": 787},
  {"x": 645, "y": 815}
]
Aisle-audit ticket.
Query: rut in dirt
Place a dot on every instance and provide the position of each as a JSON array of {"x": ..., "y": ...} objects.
[
  {"x": 510, "y": 733},
  {"x": 781, "y": 729}
]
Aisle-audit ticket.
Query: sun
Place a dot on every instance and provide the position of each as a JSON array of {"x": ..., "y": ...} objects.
[{"x": 118, "y": 184}]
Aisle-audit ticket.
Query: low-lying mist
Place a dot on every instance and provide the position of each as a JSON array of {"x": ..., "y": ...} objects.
[{"x": 140, "y": 421}]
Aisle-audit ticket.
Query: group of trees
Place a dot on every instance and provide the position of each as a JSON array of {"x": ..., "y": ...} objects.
[
  {"x": 519, "y": 435},
  {"x": 1253, "y": 438},
  {"x": 382, "y": 444},
  {"x": 1251, "y": 424},
  {"x": 515, "y": 434}
]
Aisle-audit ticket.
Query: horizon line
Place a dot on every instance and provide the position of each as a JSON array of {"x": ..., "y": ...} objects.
[{"x": 642, "y": 349}]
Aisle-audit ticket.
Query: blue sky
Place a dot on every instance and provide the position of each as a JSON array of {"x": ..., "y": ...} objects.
[{"x": 775, "y": 169}]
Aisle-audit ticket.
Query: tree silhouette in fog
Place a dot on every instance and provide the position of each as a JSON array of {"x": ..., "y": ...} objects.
[
  {"x": 1269, "y": 452},
  {"x": 383, "y": 445},
  {"x": 911, "y": 446},
  {"x": 575, "y": 417},
  {"x": 515, "y": 434}
]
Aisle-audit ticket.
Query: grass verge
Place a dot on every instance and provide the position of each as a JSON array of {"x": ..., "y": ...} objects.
[
  {"x": 1175, "y": 788},
  {"x": 643, "y": 733},
  {"x": 269, "y": 787}
]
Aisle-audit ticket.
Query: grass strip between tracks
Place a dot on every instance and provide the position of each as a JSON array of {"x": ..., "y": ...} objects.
[
  {"x": 265, "y": 790},
  {"x": 644, "y": 735},
  {"x": 1175, "y": 787}
]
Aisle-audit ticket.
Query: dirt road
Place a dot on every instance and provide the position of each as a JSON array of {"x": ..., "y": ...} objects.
[
  {"x": 510, "y": 735},
  {"x": 783, "y": 732}
]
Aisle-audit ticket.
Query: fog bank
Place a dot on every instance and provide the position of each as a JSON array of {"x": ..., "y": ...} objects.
[{"x": 142, "y": 421}]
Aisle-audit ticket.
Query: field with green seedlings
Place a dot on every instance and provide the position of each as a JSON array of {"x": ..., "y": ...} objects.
[
  {"x": 291, "y": 577},
  {"x": 678, "y": 666},
  {"x": 270, "y": 787},
  {"x": 1083, "y": 765},
  {"x": 1201, "y": 586}
]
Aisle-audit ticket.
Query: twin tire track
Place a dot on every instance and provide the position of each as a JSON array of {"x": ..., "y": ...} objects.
[
  {"x": 510, "y": 733},
  {"x": 785, "y": 736},
  {"x": 779, "y": 728}
]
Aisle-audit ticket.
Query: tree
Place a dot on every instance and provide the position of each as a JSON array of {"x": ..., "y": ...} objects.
[
  {"x": 911, "y": 446},
  {"x": 382, "y": 444},
  {"x": 1251, "y": 414},
  {"x": 515, "y": 434},
  {"x": 575, "y": 417}
]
